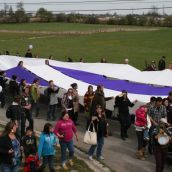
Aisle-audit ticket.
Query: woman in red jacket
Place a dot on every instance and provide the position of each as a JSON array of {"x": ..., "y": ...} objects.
[{"x": 141, "y": 124}]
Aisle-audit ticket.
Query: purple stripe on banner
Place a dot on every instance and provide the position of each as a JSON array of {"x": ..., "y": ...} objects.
[
  {"x": 23, "y": 73},
  {"x": 116, "y": 85}
]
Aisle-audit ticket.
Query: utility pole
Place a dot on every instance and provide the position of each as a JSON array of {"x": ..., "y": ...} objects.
[{"x": 163, "y": 10}]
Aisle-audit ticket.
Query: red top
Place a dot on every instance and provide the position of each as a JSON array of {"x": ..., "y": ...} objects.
[
  {"x": 141, "y": 117},
  {"x": 66, "y": 128}
]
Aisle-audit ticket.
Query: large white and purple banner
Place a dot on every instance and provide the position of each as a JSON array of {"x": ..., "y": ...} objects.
[{"x": 115, "y": 77}]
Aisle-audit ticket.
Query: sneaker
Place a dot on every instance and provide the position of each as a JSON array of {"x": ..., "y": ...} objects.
[
  {"x": 71, "y": 163},
  {"x": 90, "y": 158},
  {"x": 65, "y": 167},
  {"x": 101, "y": 158}
]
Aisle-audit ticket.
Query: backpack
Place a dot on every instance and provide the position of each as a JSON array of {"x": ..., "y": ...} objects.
[{"x": 9, "y": 112}]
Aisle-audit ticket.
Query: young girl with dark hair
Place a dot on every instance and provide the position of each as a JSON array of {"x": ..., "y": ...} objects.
[{"x": 46, "y": 147}]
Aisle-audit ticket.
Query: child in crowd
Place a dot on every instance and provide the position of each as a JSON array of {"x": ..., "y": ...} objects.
[
  {"x": 46, "y": 147},
  {"x": 29, "y": 145}
]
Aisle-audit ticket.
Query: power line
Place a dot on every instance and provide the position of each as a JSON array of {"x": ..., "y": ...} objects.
[
  {"x": 86, "y": 2},
  {"x": 117, "y": 9}
]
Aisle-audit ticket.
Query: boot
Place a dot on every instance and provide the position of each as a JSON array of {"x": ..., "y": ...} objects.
[
  {"x": 139, "y": 155},
  {"x": 145, "y": 155},
  {"x": 71, "y": 163}
]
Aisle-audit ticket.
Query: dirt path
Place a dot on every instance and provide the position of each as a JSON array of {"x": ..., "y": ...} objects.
[{"x": 78, "y": 32}]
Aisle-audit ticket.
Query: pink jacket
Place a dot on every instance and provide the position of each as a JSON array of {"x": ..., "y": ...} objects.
[
  {"x": 141, "y": 120},
  {"x": 65, "y": 127}
]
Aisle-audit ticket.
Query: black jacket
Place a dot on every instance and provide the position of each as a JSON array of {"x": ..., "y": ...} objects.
[
  {"x": 161, "y": 64},
  {"x": 5, "y": 146},
  {"x": 3, "y": 81},
  {"x": 28, "y": 54},
  {"x": 169, "y": 111},
  {"x": 51, "y": 90},
  {"x": 16, "y": 111},
  {"x": 100, "y": 125},
  {"x": 123, "y": 105},
  {"x": 14, "y": 88},
  {"x": 99, "y": 99},
  {"x": 29, "y": 144}
]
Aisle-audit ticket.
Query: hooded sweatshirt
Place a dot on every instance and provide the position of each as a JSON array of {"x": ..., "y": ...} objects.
[{"x": 66, "y": 128}]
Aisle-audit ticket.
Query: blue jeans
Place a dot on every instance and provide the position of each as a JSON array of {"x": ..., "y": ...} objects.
[
  {"x": 47, "y": 160},
  {"x": 66, "y": 145},
  {"x": 8, "y": 168},
  {"x": 51, "y": 112},
  {"x": 99, "y": 146}
]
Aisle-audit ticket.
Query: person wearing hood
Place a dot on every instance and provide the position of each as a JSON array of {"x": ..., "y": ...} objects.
[{"x": 99, "y": 99}]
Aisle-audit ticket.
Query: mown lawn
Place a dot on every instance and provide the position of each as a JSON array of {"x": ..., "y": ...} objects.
[{"x": 137, "y": 46}]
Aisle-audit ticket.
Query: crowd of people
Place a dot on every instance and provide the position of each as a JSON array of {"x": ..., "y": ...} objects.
[
  {"x": 151, "y": 122},
  {"x": 152, "y": 66}
]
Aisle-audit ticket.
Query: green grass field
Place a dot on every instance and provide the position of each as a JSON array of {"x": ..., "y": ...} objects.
[{"x": 138, "y": 46}]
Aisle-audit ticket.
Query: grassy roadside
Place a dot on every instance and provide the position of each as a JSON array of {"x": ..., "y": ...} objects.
[{"x": 137, "y": 46}]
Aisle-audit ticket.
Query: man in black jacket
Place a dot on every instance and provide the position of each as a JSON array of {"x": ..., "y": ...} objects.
[
  {"x": 3, "y": 81},
  {"x": 26, "y": 108},
  {"x": 14, "y": 86},
  {"x": 123, "y": 104},
  {"x": 169, "y": 113},
  {"x": 161, "y": 63},
  {"x": 16, "y": 116}
]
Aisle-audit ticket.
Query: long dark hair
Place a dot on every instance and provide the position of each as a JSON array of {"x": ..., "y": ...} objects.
[
  {"x": 22, "y": 82},
  {"x": 102, "y": 113},
  {"x": 47, "y": 127},
  {"x": 8, "y": 128}
]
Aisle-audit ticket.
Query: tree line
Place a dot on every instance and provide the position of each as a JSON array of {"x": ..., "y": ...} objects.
[{"x": 152, "y": 18}]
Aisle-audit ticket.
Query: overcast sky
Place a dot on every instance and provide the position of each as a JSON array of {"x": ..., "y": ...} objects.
[{"x": 106, "y": 4}]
